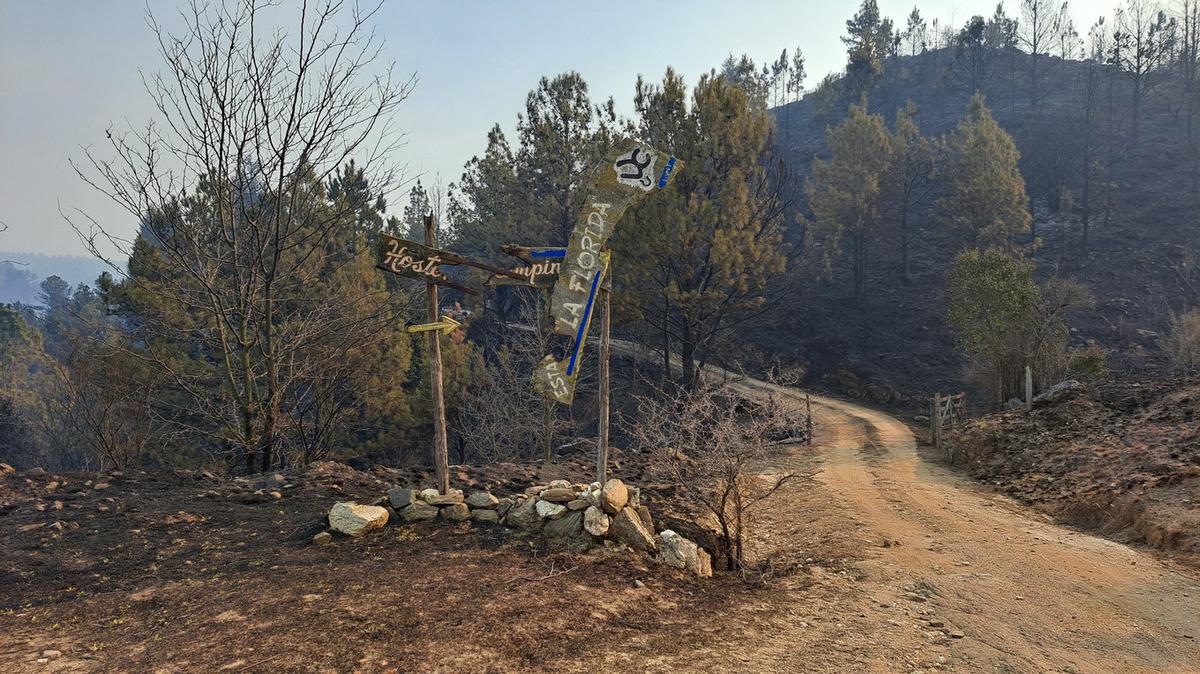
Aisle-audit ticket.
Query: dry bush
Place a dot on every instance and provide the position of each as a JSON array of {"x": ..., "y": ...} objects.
[
  {"x": 1182, "y": 341},
  {"x": 713, "y": 439},
  {"x": 504, "y": 419}
]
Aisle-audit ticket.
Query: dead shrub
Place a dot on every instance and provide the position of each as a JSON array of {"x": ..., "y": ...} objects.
[{"x": 1181, "y": 344}]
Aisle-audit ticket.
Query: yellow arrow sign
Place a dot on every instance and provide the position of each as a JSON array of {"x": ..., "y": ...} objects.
[{"x": 447, "y": 325}]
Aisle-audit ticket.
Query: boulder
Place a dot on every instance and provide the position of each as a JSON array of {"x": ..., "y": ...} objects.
[
  {"x": 1060, "y": 392},
  {"x": 428, "y": 493},
  {"x": 558, "y": 495},
  {"x": 644, "y": 515},
  {"x": 457, "y": 512},
  {"x": 559, "y": 484},
  {"x": 503, "y": 506},
  {"x": 578, "y": 504},
  {"x": 417, "y": 511},
  {"x": 401, "y": 497},
  {"x": 524, "y": 515},
  {"x": 452, "y": 497},
  {"x": 679, "y": 552},
  {"x": 627, "y": 528},
  {"x": 353, "y": 519},
  {"x": 567, "y": 526},
  {"x": 5, "y": 468},
  {"x": 595, "y": 521},
  {"x": 322, "y": 539},
  {"x": 482, "y": 499},
  {"x": 548, "y": 510},
  {"x": 614, "y": 496},
  {"x": 485, "y": 515},
  {"x": 536, "y": 489}
]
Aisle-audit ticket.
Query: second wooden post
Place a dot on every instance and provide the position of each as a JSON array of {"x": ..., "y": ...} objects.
[{"x": 441, "y": 461}]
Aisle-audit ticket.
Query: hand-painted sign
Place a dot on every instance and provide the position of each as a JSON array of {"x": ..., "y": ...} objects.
[
  {"x": 415, "y": 260},
  {"x": 541, "y": 268},
  {"x": 556, "y": 378},
  {"x": 447, "y": 325},
  {"x": 630, "y": 173}
]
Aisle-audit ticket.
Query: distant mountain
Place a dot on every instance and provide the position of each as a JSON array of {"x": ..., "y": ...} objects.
[{"x": 20, "y": 273}]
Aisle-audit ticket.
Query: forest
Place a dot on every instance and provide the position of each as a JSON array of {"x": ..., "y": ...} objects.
[{"x": 988, "y": 177}]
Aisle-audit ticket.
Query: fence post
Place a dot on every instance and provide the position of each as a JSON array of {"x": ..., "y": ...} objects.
[
  {"x": 1028, "y": 388},
  {"x": 937, "y": 420}
]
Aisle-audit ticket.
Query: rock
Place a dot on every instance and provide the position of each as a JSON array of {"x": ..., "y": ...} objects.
[
  {"x": 1062, "y": 391},
  {"x": 635, "y": 497},
  {"x": 595, "y": 521},
  {"x": 567, "y": 526},
  {"x": 428, "y": 493},
  {"x": 322, "y": 539},
  {"x": 578, "y": 504},
  {"x": 457, "y": 512},
  {"x": 482, "y": 499},
  {"x": 546, "y": 509},
  {"x": 628, "y": 529},
  {"x": 100, "y": 485},
  {"x": 638, "y": 584},
  {"x": 504, "y": 505},
  {"x": 679, "y": 552},
  {"x": 614, "y": 496},
  {"x": 485, "y": 515},
  {"x": 524, "y": 515},
  {"x": 50, "y": 654},
  {"x": 5, "y": 469},
  {"x": 417, "y": 511},
  {"x": 559, "y": 484},
  {"x": 1013, "y": 404},
  {"x": 536, "y": 489},
  {"x": 452, "y": 497},
  {"x": 644, "y": 515},
  {"x": 353, "y": 519},
  {"x": 558, "y": 495},
  {"x": 401, "y": 497}
]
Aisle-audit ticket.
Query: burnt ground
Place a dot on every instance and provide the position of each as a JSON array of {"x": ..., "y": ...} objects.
[
  {"x": 1122, "y": 458},
  {"x": 187, "y": 571}
]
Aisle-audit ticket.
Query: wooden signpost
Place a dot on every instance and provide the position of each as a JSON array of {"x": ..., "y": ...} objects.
[
  {"x": 424, "y": 262},
  {"x": 576, "y": 277},
  {"x": 584, "y": 273}
]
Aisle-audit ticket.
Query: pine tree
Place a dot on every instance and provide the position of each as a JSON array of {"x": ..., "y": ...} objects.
[
  {"x": 987, "y": 193},
  {"x": 694, "y": 259},
  {"x": 845, "y": 191},
  {"x": 909, "y": 178}
]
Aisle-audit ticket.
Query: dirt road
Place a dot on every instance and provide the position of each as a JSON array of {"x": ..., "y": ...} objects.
[{"x": 1013, "y": 591}]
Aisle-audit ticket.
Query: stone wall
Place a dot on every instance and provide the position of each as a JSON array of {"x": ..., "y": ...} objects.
[{"x": 574, "y": 513}]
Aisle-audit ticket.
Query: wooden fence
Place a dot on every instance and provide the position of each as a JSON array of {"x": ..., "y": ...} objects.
[{"x": 945, "y": 413}]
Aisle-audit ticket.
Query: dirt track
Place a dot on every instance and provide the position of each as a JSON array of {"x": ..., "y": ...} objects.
[{"x": 1025, "y": 594}]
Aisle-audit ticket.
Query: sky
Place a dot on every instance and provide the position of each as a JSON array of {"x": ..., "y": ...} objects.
[{"x": 70, "y": 69}]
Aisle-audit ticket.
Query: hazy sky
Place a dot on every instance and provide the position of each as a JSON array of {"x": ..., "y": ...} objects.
[{"x": 69, "y": 69}]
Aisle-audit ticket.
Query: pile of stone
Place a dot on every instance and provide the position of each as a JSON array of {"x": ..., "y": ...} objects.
[{"x": 575, "y": 513}]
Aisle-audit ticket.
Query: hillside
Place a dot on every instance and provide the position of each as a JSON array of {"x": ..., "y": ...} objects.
[{"x": 899, "y": 342}]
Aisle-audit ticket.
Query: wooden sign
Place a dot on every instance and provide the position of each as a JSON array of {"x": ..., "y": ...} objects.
[
  {"x": 541, "y": 268},
  {"x": 418, "y": 261},
  {"x": 556, "y": 378},
  {"x": 629, "y": 174}
]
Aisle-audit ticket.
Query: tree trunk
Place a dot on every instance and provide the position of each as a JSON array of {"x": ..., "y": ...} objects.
[
  {"x": 687, "y": 356},
  {"x": 905, "y": 271}
]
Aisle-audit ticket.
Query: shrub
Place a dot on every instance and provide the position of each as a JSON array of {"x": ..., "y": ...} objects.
[{"x": 1182, "y": 341}]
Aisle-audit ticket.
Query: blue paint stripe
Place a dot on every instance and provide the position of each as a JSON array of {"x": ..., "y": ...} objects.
[
  {"x": 666, "y": 174},
  {"x": 583, "y": 324},
  {"x": 549, "y": 253}
]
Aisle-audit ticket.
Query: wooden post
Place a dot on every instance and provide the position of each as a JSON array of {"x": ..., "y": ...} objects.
[
  {"x": 605, "y": 326},
  {"x": 441, "y": 459},
  {"x": 937, "y": 420},
  {"x": 1028, "y": 388}
]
